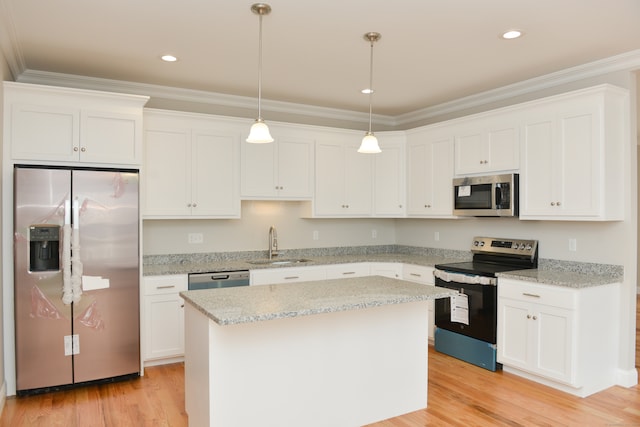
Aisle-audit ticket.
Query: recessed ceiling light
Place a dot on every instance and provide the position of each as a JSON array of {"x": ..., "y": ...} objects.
[
  {"x": 169, "y": 58},
  {"x": 511, "y": 34}
]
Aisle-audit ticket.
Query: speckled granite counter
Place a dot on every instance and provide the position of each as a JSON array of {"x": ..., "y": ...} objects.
[
  {"x": 257, "y": 303},
  {"x": 570, "y": 279},
  {"x": 553, "y": 272},
  {"x": 185, "y": 267}
]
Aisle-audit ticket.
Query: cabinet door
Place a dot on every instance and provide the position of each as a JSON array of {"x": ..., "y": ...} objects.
[
  {"x": 44, "y": 133},
  {"x": 488, "y": 145},
  {"x": 515, "y": 334},
  {"x": 389, "y": 180},
  {"x": 429, "y": 175},
  {"x": 555, "y": 339},
  {"x": 329, "y": 199},
  {"x": 167, "y": 177},
  {"x": 538, "y": 179},
  {"x": 164, "y": 319},
  {"x": 215, "y": 187},
  {"x": 470, "y": 152},
  {"x": 294, "y": 168},
  {"x": 562, "y": 172},
  {"x": 110, "y": 138},
  {"x": 258, "y": 170},
  {"x": 358, "y": 182}
]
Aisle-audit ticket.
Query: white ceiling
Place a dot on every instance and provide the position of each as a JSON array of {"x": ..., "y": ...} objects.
[{"x": 431, "y": 51}]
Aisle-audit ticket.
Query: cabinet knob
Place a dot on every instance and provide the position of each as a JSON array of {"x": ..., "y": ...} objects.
[
  {"x": 83, "y": 149},
  {"x": 194, "y": 205},
  {"x": 553, "y": 203},
  {"x": 75, "y": 149},
  {"x": 535, "y": 318},
  {"x": 528, "y": 316},
  {"x": 557, "y": 203},
  {"x": 400, "y": 206}
]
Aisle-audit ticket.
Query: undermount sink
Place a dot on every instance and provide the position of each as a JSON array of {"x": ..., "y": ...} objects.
[{"x": 278, "y": 261}]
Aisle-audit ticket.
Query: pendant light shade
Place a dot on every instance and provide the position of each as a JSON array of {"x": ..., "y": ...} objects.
[
  {"x": 369, "y": 143},
  {"x": 259, "y": 133}
]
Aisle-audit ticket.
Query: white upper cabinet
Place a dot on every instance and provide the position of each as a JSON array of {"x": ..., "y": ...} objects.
[
  {"x": 191, "y": 167},
  {"x": 430, "y": 172},
  {"x": 282, "y": 169},
  {"x": 572, "y": 154},
  {"x": 344, "y": 178},
  {"x": 45, "y": 123},
  {"x": 487, "y": 144},
  {"x": 389, "y": 177}
]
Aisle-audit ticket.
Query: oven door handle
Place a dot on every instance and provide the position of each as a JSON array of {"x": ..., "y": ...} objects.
[{"x": 464, "y": 278}]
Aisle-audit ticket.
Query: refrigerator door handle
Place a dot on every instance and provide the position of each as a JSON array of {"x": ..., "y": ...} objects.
[{"x": 76, "y": 214}]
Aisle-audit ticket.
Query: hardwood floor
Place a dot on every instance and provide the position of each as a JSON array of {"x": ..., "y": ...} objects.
[{"x": 459, "y": 395}]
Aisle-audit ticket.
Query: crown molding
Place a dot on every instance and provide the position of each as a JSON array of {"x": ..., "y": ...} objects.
[
  {"x": 627, "y": 61},
  {"x": 624, "y": 62},
  {"x": 197, "y": 96}
]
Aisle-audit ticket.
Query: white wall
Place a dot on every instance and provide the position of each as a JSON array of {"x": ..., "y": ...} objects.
[
  {"x": 251, "y": 232},
  {"x": 5, "y": 74}
]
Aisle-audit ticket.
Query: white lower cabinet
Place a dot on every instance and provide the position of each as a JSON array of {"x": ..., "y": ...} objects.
[
  {"x": 559, "y": 336},
  {"x": 344, "y": 271},
  {"x": 424, "y": 275},
  {"x": 269, "y": 276},
  {"x": 163, "y": 320},
  {"x": 386, "y": 269}
]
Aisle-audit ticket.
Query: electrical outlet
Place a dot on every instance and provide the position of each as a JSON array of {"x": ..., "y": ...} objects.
[
  {"x": 374, "y": 234},
  {"x": 573, "y": 245},
  {"x": 195, "y": 238},
  {"x": 316, "y": 235},
  {"x": 436, "y": 236}
]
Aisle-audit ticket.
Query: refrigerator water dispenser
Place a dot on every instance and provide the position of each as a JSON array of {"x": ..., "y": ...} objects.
[{"x": 44, "y": 247}]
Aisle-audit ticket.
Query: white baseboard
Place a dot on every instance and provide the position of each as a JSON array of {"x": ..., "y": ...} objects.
[{"x": 627, "y": 378}]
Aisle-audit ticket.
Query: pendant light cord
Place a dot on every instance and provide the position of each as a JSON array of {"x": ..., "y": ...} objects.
[
  {"x": 260, "y": 69},
  {"x": 370, "y": 85}
]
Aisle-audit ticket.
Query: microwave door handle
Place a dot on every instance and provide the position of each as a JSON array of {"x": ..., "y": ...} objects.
[{"x": 498, "y": 195}]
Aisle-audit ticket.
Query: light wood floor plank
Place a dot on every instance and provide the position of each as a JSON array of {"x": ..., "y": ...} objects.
[{"x": 460, "y": 394}]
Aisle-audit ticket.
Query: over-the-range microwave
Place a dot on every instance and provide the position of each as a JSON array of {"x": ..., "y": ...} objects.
[{"x": 491, "y": 195}]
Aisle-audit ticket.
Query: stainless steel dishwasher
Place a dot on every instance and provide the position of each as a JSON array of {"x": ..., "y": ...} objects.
[{"x": 218, "y": 279}]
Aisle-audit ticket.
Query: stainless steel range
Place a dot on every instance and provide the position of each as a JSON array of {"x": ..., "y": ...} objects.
[{"x": 466, "y": 324}]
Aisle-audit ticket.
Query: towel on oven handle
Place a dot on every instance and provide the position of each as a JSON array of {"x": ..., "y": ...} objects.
[{"x": 464, "y": 278}]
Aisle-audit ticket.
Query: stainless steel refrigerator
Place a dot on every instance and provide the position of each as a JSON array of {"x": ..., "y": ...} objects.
[{"x": 76, "y": 276}]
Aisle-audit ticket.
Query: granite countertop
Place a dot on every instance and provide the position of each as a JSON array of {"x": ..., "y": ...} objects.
[
  {"x": 246, "y": 304},
  {"x": 570, "y": 279},
  {"x": 549, "y": 271},
  {"x": 240, "y": 264}
]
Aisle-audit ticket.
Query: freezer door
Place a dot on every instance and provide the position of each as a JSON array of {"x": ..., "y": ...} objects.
[
  {"x": 106, "y": 319},
  {"x": 42, "y": 321}
]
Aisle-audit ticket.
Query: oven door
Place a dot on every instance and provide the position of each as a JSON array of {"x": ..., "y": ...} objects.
[{"x": 482, "y": 310}]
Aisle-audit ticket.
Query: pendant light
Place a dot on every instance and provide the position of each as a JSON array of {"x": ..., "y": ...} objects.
[
  {"x": 259, "y": 133},
  {"x": 370, "y": 142}
]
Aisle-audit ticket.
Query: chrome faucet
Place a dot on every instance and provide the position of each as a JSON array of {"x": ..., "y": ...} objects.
[{"x": 273, "y": 242}]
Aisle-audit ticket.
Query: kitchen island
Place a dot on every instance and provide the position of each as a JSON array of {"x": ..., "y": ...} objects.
[{"x": 342, "y": 352}]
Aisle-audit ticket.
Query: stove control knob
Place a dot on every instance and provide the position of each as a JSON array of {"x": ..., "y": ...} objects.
[
  {"x": 476, "y": 243},
  {"x": 521, "y": 246},
  {"x": 481, "y": 243},
  {"x": 529, "y": 247}
]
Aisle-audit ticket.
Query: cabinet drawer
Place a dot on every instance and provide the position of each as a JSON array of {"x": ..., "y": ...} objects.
[
  {"x": 417, "y": 273},
  {"x": 348, "y": 270},
  {"x": 536, "y": 293},
  {"x": 287, "y": 275},
  {"x": 171, "y": 284}
]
